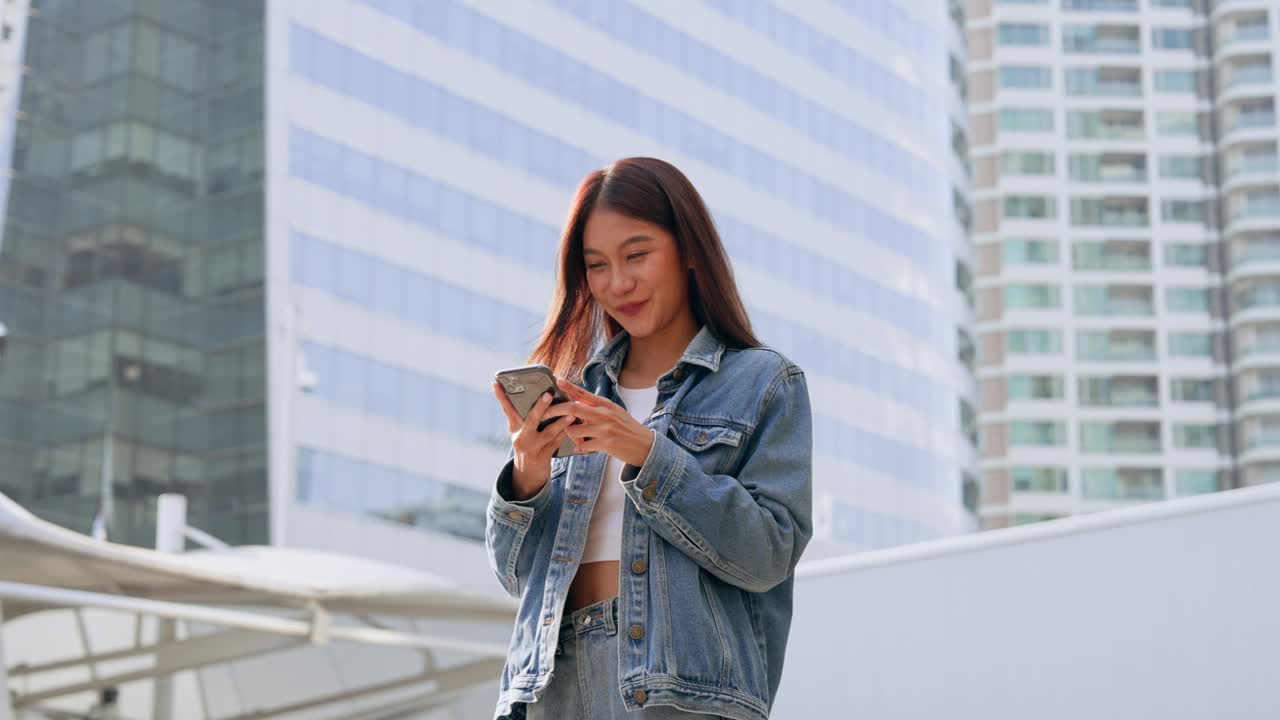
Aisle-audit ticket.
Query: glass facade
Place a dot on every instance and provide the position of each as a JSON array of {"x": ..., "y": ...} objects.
[
  {"x": 133, "y": 279},
  {"x": 477, "y": 211},
  {"x": 131, "y": 276}
]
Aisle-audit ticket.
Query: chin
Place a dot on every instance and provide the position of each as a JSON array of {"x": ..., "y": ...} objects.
[{"x": 635, "y": 328}]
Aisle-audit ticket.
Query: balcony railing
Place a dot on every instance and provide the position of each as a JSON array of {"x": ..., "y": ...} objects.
[
  {"x": 1250, "y": 76},
  {"x": 1254, "y": 164},
  {"x": 1245, "y": 121},
  {"x": 1249, "y": 33},
  {"x": 1269, "y": 207}
]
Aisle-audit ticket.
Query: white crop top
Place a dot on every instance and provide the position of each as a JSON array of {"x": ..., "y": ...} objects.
[{"x": 604, "y": 532}]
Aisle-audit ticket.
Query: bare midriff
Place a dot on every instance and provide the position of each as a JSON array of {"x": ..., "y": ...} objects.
[{"x": 594, "y": 581}]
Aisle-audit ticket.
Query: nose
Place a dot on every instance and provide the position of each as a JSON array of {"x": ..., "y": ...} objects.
[{"x": 620, "y": 281}]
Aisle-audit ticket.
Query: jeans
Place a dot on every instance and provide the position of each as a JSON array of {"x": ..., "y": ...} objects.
[{"x": 584, "y": 683}]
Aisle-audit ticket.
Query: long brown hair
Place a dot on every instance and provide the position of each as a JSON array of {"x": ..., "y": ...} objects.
[{"x": 652, "y": 190}]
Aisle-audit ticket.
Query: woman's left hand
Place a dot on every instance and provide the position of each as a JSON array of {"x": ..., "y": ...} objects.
[{"x": 605, "y": 426}]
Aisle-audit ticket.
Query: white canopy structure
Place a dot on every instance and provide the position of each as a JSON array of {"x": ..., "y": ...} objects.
[{"x": 252, "y": 601}]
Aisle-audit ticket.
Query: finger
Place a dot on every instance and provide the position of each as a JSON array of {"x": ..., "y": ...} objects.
[
  {"x": 534, "y": 417},
  {"x": 556, "y": 427},
  {"x": 513, "y": 417},
  {"x": 556, "y": 409},
  {"x": 560, "y": 438},
  {"x": 589, "y": 413},
  {"x": 576, "y": 393},
  {"x": 582, "y": 431}
]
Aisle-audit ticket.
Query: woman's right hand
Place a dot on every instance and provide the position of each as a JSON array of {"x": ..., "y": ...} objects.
[{"x": 534, "y": 448}]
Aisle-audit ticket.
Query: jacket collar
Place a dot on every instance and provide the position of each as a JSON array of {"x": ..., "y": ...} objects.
[{"x": 705, "y": 349}]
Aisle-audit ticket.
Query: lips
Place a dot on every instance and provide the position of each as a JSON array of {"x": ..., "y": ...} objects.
[{"x": 633, "y": 308}]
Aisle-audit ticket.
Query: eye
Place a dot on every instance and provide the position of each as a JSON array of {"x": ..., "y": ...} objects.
[
  {"x": 596, "y": 265},
  {"x": 636, "y": 255}
]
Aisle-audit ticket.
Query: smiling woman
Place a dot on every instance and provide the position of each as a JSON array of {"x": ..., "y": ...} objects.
[{"x": 689, "y": 505}]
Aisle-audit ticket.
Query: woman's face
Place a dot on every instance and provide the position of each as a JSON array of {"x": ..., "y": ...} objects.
[{"x": 631, "y": 261}]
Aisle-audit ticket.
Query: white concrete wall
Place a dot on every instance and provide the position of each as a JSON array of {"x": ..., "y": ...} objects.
[{"x": 1165, "y": 611}]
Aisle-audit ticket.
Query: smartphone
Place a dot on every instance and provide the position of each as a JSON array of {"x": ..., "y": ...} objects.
[{"x": 524, "y": 385}]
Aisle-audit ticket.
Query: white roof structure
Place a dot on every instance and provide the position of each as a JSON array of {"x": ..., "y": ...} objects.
[{"x": 255, "y": 594}]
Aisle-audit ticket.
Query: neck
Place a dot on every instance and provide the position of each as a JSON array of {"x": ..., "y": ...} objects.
[{"x": 652, "y": 355}]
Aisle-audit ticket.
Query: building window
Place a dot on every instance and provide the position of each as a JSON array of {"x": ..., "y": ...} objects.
[
  {"x": 1101, "y": 5},
  {"x": 1195, "y": 435},
  {"x": 1197, "y": 482},
  {"x": 1132, "y": 300},
  {"x": 1046, "y": 479},
  {"x": 1119, "y": 391},
  {"x": 1111, "y": 211},
  {"x": 1030, "y": 207},
  {"x": 1024, "y": 119},
  {"x": 1037, "y": 433},
  {"x": 1023, "y": 34},
  {"x": 1032, "y": 297},
  {"x": 1034, "y": 341},
  {"x": 1120, "y": 436},
  {"x": 1183, "y": 299},
  {"x": 1116, "y": 345},
  {"x": 1104, "y": 81},
  {"x": 1172, "y": 38},
  {"x": 1026, "y": 163},
  {"x": 1125, "y": 483},
  {"x": 1175, "y": 81},
  {"x": 1111, "y": 255},
  {"x": 1177, "y": 122},
  {"x": 1025, "y": 77},
  {"x": 1186, "y": 255},
  {"x": 1191, "y": 344},
  {"x": 1182, "y": 166},
  {"x": 1035, "y": 387},
  {"x": 1105, "y": 124},
  {"x": 1030, "y": 251},
  {"x": 1192, "y": 390},
  {"x": 1190, "y": 211}
]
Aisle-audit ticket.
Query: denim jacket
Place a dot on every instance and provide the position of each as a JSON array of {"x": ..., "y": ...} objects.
[{"x": 714, "y": 523}]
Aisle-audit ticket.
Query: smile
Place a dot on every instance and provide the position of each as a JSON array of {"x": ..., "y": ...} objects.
[{"x": 633, "y": 308}]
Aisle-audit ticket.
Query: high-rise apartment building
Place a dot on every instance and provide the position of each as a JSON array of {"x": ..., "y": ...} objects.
[
  {"x": 269, "y": 255},
  {"x": 1125, "y": 197}
]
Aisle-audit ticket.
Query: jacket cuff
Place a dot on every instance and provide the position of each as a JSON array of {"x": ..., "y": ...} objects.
[
  {"x": 504, "y": 496},
  {"x": 650, "y": 484}
]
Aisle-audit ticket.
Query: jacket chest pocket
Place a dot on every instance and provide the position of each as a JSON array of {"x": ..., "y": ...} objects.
[{"x": 715, "y": 446}]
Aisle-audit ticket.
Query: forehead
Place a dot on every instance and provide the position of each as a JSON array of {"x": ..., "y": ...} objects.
[{"x": 607, "y": 229}]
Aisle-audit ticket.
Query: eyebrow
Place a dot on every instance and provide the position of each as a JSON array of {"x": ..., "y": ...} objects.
[{"x": 632, "y": 239}]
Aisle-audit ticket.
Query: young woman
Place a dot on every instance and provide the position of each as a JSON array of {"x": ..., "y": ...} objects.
[{"x": 655, "y": 568}]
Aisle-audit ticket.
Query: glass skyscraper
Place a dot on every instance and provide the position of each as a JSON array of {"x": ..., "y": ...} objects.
[
  {"x": 131, "y": 275},
  {"x": 271, "y": 255}
]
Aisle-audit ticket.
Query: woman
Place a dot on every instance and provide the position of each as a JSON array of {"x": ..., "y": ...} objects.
[{"x": 654, "y": 569}]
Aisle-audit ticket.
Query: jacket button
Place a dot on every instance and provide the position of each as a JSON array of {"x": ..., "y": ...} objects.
[
  {"x": 640, "y": 696},
  {"x": 702, "y": 438},
  {"x": 638, "y": 567},
  {"x": 636, "y": 632},
  {"x": 678, "y": 374},
  {"x": 514, "y": 515},
  {"x": 650, "y": 490}
]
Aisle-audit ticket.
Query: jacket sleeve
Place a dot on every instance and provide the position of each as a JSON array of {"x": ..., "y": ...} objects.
[
  {"x": 747, "y": 530},
  {"x": 512, "y": 528}
]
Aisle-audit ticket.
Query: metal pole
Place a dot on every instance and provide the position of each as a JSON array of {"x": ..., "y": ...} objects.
[
  {"x": 107, "y": 481},
  {"x": 6, "y": 708},
  {"x": 171, "y": 537}
]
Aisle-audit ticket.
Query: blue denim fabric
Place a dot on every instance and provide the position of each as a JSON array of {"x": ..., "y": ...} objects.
[
  {"x": 716, "y": 520},
  {"x": 582, "y": 686}
]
